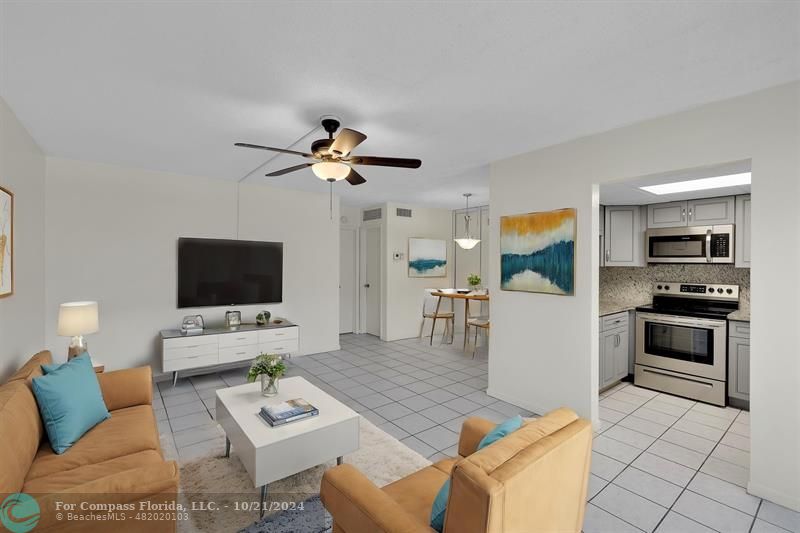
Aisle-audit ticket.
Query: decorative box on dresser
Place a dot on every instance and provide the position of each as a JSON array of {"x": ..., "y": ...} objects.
[{"x": 219, "y": 346}]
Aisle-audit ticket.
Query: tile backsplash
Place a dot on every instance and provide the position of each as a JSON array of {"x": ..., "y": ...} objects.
[{"x": 632, "y": 283}]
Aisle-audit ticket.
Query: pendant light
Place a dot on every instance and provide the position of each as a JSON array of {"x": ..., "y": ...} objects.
[{"x": 467, "y": 242}]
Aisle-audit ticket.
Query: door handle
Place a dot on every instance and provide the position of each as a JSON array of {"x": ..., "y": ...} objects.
[
  {"x": 608, "y": 253},
  {"x": 690, "y": 213},
  {"x": 366, "y": 285},
  {"x": 708, "y": 246},
  {"x": 683, "y": 214}
]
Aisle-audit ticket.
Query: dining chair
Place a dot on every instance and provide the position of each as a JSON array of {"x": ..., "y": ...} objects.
[
  {"x": 429, "y": 311},
  {"x": 482, "y": 324}
]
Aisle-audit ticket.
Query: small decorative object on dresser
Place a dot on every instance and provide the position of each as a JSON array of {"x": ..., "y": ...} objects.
[
  {"x": 262, "y": 318},
  {"x": 76, "y": 319},
  {"x": 233, "y": 319},
  {"x": 192, "y": 324},
  {"x": 270, "y": 367}
]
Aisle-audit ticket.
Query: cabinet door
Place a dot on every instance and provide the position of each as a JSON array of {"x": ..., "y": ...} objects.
[
  {"x": 623, "y": 238},
  {"x": 666, "y": 215},
  {"x": 742, "y": 231},
  {"x": 621, "y": 354},
  {"x": 709, "y": 211},
  {"x": 608, "y": 345},
  {"x": 739, "y": 368}
]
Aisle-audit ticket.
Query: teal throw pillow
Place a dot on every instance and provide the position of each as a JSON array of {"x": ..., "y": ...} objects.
[
  {"x": 500, "y": 431},
  {"x": 440, "y": 502},
  {"x": 440, "y": 507},
  {"x": 70, "y": 401}
]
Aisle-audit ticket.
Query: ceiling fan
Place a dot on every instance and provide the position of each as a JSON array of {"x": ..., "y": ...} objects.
[{"x": 332, "y": 157}]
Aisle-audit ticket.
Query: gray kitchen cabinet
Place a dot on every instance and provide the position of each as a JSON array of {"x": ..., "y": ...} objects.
[
  {"x": 623, "y": 236},
  {"x": 666, "y": 215},
  {"x": 602, "y": 236},
  {"x": 711, "y": 211},
  {"x": 742, "y": 232},
  {"x": 614, "y": 360},
  {"x": 703, "y": 212},
  {"x": 739, "y": 364}
]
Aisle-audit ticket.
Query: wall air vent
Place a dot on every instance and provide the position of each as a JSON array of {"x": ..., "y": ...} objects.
[
  {"x": 372, "y": 214},
  {"x": 403, "y": 212}
]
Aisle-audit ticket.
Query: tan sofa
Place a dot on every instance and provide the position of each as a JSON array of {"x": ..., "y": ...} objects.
[
  {"x": 533, "y": 480},
  {"x": 119, "y": 461}
]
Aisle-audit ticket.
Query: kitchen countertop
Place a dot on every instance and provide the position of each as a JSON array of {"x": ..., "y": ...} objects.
[
  {"x": 617, "y": 305},
  {"x": 742, "y": 314}
]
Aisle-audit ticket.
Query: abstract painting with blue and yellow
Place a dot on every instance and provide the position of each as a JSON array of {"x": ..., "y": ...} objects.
[{"x": 537, "y": 252}]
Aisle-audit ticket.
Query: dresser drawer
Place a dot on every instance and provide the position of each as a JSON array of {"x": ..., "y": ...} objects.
[
  {"x": 194, "y": 361},
  {"x": 279, "y": 346},
  {"x": 194, "y": 350},
  {"x": 233, "y": 354},
  {"x": 190, "y": 341},
  {"x": 277, "y": 334},
  {"x": 244, "y": 338},
  {"x": 739, "y": 329},
  {"x": 617, "y": 320}
]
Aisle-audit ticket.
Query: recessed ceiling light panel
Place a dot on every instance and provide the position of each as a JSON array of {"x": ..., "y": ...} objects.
[{"x": 716, "y": 182}]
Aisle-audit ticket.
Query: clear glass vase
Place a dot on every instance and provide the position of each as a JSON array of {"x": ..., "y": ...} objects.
[{"x": 269, "y": 385}]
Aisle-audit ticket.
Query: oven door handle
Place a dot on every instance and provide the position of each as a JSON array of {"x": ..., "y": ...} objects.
[
  {"x": 708, "y": 245},
  {"x": 682, "y": 378},
  {"x": 681, "y": 321}
]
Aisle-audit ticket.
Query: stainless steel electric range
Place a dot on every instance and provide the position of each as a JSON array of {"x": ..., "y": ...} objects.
[{"x": 681, "y": 340}]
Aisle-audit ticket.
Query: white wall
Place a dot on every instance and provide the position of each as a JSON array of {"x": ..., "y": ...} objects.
[
  {"x": 22, "y": 171},
  {"x": 543, "y": 352},
  {"x": 112, "y": 236},
  {"x": 404, "y": 295}
]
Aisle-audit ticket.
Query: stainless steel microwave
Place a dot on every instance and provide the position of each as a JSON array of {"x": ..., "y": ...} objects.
[{"x": 692, "y": 244}]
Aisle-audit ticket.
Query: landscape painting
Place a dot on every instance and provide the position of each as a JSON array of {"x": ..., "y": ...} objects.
[
  {"x": 6, "y": 243},
  {"x": 537, "y": 252},
  {"x": 427, "y": 258}
]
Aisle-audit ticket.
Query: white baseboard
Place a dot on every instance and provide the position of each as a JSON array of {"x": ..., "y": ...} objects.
[{"x": 774, "y": 496}]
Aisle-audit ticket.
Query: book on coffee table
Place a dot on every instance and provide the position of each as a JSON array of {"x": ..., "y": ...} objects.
[{"x": 288, "y": 411}]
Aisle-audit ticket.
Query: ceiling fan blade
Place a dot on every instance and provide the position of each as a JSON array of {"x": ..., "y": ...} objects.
[
  {"x": 384, "y": 161},
  {"x": 271, "y": 149},
  {"x": 345, "y": 142},
  {"x": 290, "y": 169},
  {"x": 354, "y": 178}
]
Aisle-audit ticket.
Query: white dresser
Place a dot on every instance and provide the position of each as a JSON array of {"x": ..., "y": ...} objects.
[{"x": 217, "y": 346}]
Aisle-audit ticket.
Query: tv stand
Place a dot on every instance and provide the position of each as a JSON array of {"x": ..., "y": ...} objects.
[{"x": 217, "y": 346}]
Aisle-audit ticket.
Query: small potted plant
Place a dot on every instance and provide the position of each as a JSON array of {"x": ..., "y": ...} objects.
[
  {"x": 270, "y": 367},
  {"x": 474, "y": 281}
]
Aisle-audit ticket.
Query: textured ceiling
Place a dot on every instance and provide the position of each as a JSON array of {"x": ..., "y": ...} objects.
[{"x": 172, "y": 85}]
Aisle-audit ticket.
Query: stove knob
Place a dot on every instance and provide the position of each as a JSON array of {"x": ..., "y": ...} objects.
[
  {"x": 658, "y": 287},
  {"x": 666, "y": 287},
  {"x": 729, "y": 291},
  {"x": 711, "y": 289},
  {"x": 719, "y": 290}
]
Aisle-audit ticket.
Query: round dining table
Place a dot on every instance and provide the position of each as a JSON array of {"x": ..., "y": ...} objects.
[{"x": 482, "y": 296}]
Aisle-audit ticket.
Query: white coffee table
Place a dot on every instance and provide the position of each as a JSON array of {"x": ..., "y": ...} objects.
[{"x": 273, "y": 453}]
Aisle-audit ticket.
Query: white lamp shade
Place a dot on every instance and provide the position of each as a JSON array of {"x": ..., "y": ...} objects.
[
  {"x": 467, "y": 243},
  {"x": 78, "y": 318},
  {"x": 330, "y": 170}
]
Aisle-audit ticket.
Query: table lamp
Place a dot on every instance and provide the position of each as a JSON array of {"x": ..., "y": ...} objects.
[{"x": 76, "y": 319}]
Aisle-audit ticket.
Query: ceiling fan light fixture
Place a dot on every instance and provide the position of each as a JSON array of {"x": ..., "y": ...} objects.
[{"x": 330, "y": 170}]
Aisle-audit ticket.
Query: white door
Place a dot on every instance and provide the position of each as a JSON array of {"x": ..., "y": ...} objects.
[
  {"x": 372, "y": 284},
  {"x": 347, "y": 280}
]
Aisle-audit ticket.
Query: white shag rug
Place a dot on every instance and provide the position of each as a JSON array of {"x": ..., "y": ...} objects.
[{"x": 225, "y": 482}]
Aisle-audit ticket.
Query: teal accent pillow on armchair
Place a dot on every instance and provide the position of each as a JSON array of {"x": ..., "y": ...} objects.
[
  {"x": 440, "y": 502},
  {"x": 70, "y": 401}
]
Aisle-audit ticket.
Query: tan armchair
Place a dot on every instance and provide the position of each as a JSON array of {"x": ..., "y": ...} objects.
[{"x": 533, "y": 480}]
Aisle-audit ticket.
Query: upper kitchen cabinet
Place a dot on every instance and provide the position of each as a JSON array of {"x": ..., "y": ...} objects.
[
  {"x": 666, "y": 215},
  {"x": 705, "y": 212},
  {"x": 623, "y": 236},
  {"x": 711, "y": 211},
  {"x": 742, "y": 250}
]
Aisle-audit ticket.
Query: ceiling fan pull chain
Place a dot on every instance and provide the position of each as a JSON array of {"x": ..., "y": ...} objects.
[{"x": 330, "y": 188}]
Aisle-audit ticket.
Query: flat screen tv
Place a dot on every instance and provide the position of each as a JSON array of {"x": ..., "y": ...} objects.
[{"x": 214, "y": 272}]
